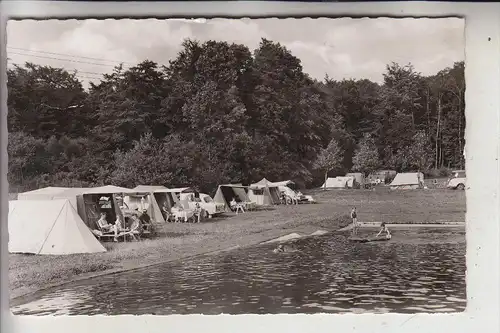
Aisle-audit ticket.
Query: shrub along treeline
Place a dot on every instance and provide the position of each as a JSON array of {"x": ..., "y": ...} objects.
[{"x": 219, "y": 113}]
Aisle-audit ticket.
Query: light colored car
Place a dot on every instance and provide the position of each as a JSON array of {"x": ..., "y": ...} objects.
[
  {"x": 457, "y": 181},
  {"x": 210, "y": 208}
]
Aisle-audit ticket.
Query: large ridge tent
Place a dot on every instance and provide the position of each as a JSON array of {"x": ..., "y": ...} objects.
[
  {"x": 226, "y": 193},
  {"x": 408, "y": 180},
  {"x": 48, "y": 227}
]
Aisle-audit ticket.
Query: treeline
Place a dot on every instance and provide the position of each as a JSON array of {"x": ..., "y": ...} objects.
[{"x": 219, "y": 113}]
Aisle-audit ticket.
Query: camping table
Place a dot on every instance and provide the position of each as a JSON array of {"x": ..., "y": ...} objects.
[{"x": 183, "y": 214}]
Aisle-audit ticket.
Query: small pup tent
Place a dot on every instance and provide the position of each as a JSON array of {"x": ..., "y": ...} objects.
[
  {"x": 48, "y": 227},
  {"x": 226, "y": 193},
  {"x": 408, "y": 180}
]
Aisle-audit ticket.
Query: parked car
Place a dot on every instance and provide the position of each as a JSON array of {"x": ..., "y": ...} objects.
[
  {"x": 457, "y": 181},
  {"x": 210, "y": 208}
]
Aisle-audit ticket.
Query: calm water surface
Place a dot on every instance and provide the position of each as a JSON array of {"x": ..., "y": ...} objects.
[{"x": 417, "y": 271}]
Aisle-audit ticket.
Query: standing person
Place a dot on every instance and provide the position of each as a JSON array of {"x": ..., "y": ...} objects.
[
  {"x": 354, "y": 217},
  {"x": 197, "y": 212}
]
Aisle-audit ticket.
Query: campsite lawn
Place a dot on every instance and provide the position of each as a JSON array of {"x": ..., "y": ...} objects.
[{"x": 28, "y": 273}]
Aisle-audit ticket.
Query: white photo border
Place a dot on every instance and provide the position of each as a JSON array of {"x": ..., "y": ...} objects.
[{"x": 482, "y": 72}]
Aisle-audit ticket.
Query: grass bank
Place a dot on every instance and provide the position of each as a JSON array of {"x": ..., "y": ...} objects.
[{"x": 28, "y": 273}]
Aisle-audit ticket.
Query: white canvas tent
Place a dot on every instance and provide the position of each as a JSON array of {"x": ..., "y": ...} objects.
[
  {"x": 408, "y": 180},
  {"x": 48, "y": 227},
  {"x": 338, "y": 183}
]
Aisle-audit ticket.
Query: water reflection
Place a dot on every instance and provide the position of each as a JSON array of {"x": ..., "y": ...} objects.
[{"x": 418, "y": 271}]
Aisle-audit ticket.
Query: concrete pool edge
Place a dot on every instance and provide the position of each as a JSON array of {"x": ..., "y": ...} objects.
[
  {"x": 407, "y": 225},
  {"x": 17, "y": 298}
]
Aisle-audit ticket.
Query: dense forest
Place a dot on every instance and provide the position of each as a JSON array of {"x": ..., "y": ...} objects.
[{"x": 219, "y": 113}]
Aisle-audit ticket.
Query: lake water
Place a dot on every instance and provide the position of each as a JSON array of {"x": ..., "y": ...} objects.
[{"x": 418, "y": 270}]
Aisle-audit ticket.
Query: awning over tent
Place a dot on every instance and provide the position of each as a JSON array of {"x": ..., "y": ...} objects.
[
  {"x": 48, "y": 227},
  {"x": 148, "y": 188},
  {"x": 178, "y": 190},
  {"x": 108, "y": 189}
]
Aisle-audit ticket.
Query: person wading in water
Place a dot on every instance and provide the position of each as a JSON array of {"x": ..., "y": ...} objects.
[{"x": 354, "y": 217}]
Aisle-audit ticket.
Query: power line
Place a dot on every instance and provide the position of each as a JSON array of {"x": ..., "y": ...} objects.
[
  {"x": 68, "y": 55},
  {"x": 60, "y": 59},
  {"x": 68, "y": 70},
  {"x": 90, "y": 77}
]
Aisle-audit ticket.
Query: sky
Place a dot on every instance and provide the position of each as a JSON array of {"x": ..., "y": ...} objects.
[{"x": 342, "y": 48}]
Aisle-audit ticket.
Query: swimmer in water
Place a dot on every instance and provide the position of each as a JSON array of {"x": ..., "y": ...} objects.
[
  {"x": 383, "y": 228},
  {"x": 284, "y": 248},
  {"x": 279, "y": 249}
]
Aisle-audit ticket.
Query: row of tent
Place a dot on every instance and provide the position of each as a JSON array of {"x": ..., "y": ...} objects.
[
  {"x": 406, "y": 180},
  {"x": 59, "y": 220},
  {"x": 262, "y": 193}
]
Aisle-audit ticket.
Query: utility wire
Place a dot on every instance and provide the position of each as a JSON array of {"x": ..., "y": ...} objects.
[
  {"x": 68, "y": 70},
  {"x": 60, "y": 59},
  {"x": 67, "y": 55}
]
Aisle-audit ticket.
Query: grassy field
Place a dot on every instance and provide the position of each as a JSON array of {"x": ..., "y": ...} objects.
[{"x": 28, "y": 273}]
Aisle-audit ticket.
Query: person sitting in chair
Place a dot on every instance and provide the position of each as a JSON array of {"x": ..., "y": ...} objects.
[
  {"x": 119, "y": 227},
  {"x": 166, "y": 211},
  {"x": 103, "y": 223}
]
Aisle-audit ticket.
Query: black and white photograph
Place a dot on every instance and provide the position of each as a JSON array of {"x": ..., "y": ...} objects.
[{"x": 236, "y": 166}]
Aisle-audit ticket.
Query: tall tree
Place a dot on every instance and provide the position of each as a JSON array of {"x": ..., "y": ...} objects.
[
  {"x": 366, "y": 158},
  {"x": 329, "y": 158}
]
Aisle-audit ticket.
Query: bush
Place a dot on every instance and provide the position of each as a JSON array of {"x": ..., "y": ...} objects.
[{"x": 438, "y": 173}]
